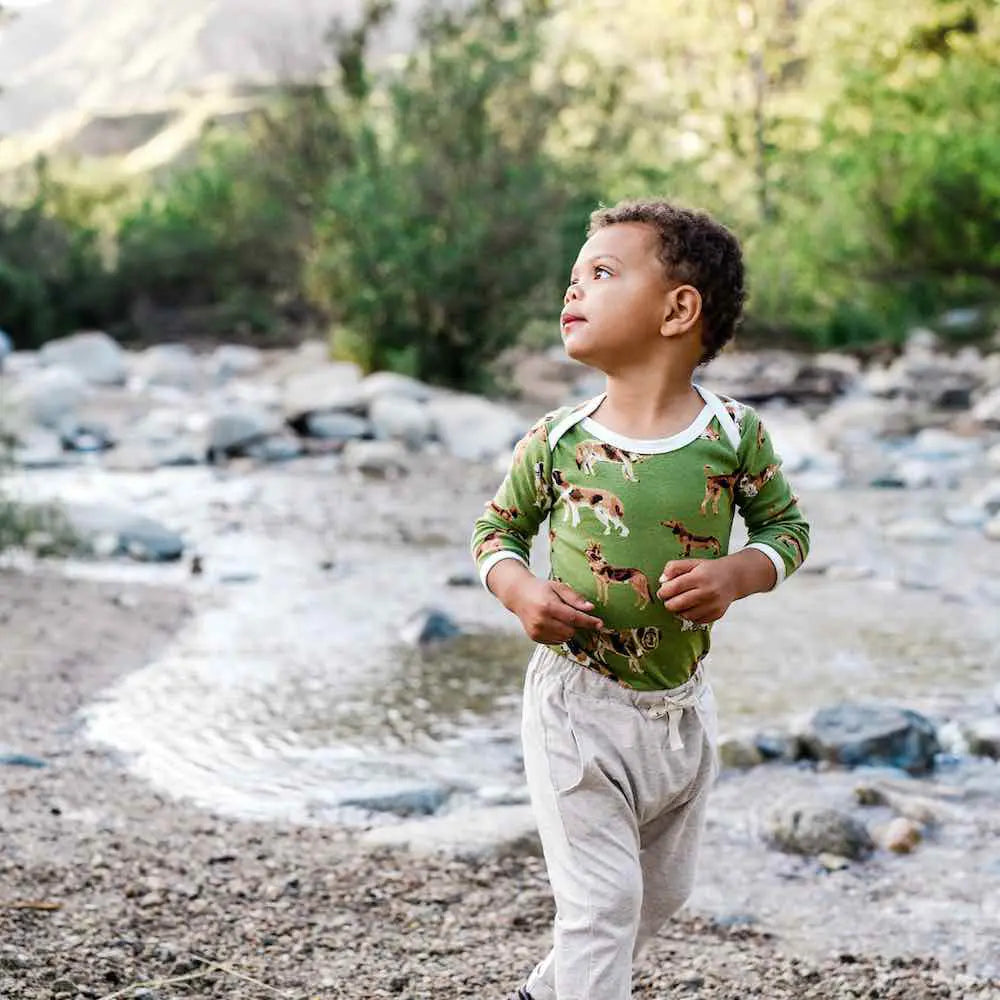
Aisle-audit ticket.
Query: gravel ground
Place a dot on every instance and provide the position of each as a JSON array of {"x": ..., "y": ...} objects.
[{"x": 107, "y": 890}]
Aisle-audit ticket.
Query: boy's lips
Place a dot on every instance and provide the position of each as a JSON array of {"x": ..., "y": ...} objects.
[{"x": 568, "y": 319}]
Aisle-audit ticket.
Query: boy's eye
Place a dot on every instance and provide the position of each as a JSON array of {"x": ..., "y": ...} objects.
[{"x": 602, "y": 272}]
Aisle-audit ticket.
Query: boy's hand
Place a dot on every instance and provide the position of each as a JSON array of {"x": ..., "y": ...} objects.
[
  {"x": 551, "y": 611},
  {"x": 701, "y": 590},
  {"x": 698, "y": 590}
]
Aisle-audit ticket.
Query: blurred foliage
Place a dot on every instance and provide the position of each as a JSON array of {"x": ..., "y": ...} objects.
[
  {"x": 446, "y": 228},
  {"x": 426, "y": 210}
]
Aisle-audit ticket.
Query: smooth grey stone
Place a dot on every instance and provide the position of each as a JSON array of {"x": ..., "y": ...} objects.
[
  {"x": 853, "y": 734},
  {"x": 812, "y": 830}
]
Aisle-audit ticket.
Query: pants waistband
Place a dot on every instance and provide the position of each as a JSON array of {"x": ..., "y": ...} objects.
[{"x": 667, "y": 703}]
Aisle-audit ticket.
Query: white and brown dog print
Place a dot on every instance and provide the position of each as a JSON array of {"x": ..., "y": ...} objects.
[
  {"x": 537, "y": 433},
  {"x": 735, "y": 410},
  {"x": 590, "y": 452},
  {"x": 690, "y": 542},
  {"x": 749, "y": 486},
  {"x": 710, "y": 433},
  {"x": 689, "y": 626},
  {"x": 631, "y": 643},
  {"x": 605, "y": 575},
  {"x": 582, "y": 649},
  {"x": 603, "y": 504},
  {"x": 543, "y": 489},
  {"x": 715, "y": 485}
]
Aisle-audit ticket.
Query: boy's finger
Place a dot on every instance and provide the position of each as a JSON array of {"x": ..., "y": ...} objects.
[
  {"x": 672, "y": 588},
  {"x": 685, "y": 602},
  {"x": 571, "y": 597},
  {"x": 678, "y": 567},
  {"x": 570, "y": 616}
]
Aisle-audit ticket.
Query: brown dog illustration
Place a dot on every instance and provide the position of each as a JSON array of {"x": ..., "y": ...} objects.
[
  {"x": 715, "y": 485},
  {"x": 605, "y": 506},
  {"x": 589, "y": 453},
  {"x": 508, "y": 514},
  {"x": 795, "y": 544},
  {"x": 749, "y": 486},
  {"x": 711, "y": 434},
  {"x": 632, "y": 643},
  {"x": 690, "y": 541},
  {"x": 605, "y": 574}
]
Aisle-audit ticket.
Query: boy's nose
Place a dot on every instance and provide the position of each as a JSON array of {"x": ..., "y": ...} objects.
[{"x": 572, "y": 292}]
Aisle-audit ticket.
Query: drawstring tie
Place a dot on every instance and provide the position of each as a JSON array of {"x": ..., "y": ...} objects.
[{"x": 673, "y": 709}]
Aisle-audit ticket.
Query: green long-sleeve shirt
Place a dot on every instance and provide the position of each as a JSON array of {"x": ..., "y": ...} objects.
[{"x": 621, "y": 508}]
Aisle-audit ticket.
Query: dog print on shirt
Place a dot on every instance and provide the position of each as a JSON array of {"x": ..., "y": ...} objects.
[
  {"x": 605, "y": 574},
  {"x": 690, "y": 541},
  {"x": 715, "y": 485},
  {"x": 604, "y": 505},
  {"x": 590, "y": 452}
]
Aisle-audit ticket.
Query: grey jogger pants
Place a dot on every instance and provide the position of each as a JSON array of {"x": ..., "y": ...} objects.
[{"x": 618, "y": 782}]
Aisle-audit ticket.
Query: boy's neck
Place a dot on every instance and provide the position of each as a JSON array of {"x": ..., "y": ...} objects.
[{"x": 649, "y": 404}]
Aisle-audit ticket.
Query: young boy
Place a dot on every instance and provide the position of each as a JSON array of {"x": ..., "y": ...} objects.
[{"x": 640, "y": 484}]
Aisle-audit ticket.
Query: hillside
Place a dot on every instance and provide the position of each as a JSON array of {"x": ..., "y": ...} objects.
[{"x": 98, "y": 78}]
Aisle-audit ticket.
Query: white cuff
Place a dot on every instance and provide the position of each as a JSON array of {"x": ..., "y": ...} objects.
[
  {"x": 774, "y": 556},
  {"x": 490, "y": 561}
]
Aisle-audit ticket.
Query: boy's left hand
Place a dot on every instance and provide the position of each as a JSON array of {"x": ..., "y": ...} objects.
[{"x": 699, "y": 590}]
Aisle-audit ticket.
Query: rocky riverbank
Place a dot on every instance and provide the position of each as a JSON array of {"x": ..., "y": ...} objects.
[
  {"x": 109, "y": 890},
  {"x": 305, "y": 513}
]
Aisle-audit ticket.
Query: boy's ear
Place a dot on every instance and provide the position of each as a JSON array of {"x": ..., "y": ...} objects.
[{"x": 682, "y": 311}]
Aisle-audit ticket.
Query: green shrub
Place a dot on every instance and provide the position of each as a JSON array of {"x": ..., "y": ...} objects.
[{"x": 447, "y": 227}]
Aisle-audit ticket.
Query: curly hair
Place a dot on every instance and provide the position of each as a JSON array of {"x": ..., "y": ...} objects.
[{"x": 696, "y": 250}]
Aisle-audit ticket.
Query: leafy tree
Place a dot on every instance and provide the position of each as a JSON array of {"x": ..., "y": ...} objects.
[{"x": 447, "y": 227}]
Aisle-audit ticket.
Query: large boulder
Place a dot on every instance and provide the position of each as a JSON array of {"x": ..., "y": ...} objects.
[
  {"x": 853, "y": 734},
  {"x": 234, "y": 361},
  {"x": 234, "y": 431},
  {"x": 401, "y": 418},
  {"x": 47, "y": 397},
  {"x": 396, "y": 385},
  {"x": 987, "y": 409},
  {"x": 812, "y": 830},
  {"x": 94, "y": 356},
  {"x": 330, "y": 386},
  {"x": 173, "y": 365},
  {"x": 115, "y": 531},
  {"x": 473, "y": 428}
]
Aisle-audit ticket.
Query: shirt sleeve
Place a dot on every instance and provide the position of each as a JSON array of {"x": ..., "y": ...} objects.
[
  {"x": 511, "y": 519},
  {"x": 764, "y": 497}
]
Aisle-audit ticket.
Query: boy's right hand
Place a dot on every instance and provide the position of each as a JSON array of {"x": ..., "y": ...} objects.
[{"x": 551, "y": 611}]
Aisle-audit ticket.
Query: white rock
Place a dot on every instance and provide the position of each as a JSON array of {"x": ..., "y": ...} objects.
[
  {"x": 983, "y": 736},
  {"x": 402, "y": 419},
  {"x": 94, "y": 356},
  {"x": 169, "y": 365},
  {"x": 861, "y": 418},
  {"x": 234, "y": 360},
  {"x": 393, "y": 384},
  {"x": 473, "y": 428},
  {"x": 235, "y": 429},
  {"x": 993, "y": 458},
  {"x": 49, "y": 396},
  {"x": 988, "y": 498},
  {"x": 918, "y": 529},
  {"x": 987, "y": 409},
  {"x": 387, "y": 459},
  {"x": 472, "y": 834},
  {"x": 331, "y": 386},
  {"x": 992, "y": 528}
]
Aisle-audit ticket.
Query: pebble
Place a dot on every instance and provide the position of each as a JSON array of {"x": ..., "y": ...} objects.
[{"x": 902, "y": 835}]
